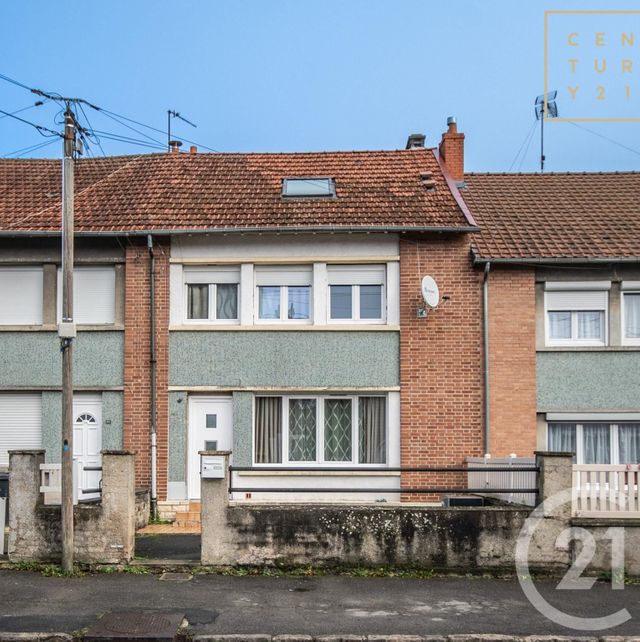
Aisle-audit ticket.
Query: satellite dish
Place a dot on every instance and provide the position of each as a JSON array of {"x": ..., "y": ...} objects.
[{"x": 430, "y": 292}]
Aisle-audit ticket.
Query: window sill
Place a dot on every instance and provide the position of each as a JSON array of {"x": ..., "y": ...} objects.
[
  {"x": 50, "y": 327},
  {"x": 625, "y": 348},
  {"x": 284, "y": 328},
  {"x": 317, "y": 473}
]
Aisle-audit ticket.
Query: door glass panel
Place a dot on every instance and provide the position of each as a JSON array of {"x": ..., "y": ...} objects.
[
  {"x": 211, "y": 421},
  {"x": 211, "y": 445}
]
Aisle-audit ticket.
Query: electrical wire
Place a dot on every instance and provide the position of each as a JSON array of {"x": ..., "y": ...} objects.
[
  {"x": 36, "y": 104},
  {"x": 526, "y": 151},
  {"x": 524, "y": 141},
  {"x": 611, "y": 140},
  {"x": 39, "y": 128},
  {"x": 30, "y": 148}
]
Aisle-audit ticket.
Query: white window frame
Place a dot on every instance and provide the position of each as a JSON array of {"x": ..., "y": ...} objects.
[
  {"x": 570, "y": 288},
  {"x": 35, "y": 316},
  {"x": 355, "y": 284},
  {"x": 614, "y": 442},
  {"x": 211, "y": 276},
  {"x": 283, "y": 278},
  {"x": 320, "y": 460},
  {"x": 627, "y": 288}
]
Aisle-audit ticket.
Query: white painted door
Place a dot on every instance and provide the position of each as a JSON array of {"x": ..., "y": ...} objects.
[
  {"x": 210, "y": 428},
  {"x": 87, "y": 442}
]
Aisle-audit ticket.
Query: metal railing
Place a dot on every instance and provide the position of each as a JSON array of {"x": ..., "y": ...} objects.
[
  {"x": 402, "y": 490},
  {"x": 497, "y": 473}
]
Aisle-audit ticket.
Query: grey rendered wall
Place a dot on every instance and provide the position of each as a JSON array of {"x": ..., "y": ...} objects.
[
  {"x": 177, "y": 443},
  {"x": 595, "y": 381},
  {"x": 288, "y": 359},
  {"x": 112, "y": 423},
  {"x": 32, "y": 359}
]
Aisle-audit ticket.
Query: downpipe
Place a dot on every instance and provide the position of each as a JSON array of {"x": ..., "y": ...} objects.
[
  {"x": 152, "y": 364},
  {"x": 485, "y": 347}
]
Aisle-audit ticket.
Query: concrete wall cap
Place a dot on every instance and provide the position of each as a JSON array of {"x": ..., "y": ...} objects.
[
  {"x": 116, "y": 452},
  {"x": 552, "y": 453},
  {"x": 26, "y": 452},
  {"x": 210, "y": 453}
]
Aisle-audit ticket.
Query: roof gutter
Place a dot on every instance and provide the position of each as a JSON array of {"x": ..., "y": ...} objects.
[
  {"x": 550, "y": 260},
  {"x": 335, "y": 229}
]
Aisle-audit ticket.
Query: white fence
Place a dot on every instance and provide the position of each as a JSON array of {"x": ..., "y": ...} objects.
[
  {"x": 606, "y": 490},
  {"x": 511, "y": 477}
]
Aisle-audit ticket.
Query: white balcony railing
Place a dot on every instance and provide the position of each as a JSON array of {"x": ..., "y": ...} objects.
[{"x": 606, "y": 490}]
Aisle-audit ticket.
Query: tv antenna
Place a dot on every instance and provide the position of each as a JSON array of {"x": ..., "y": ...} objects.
[
  {"x": 174, "y": 114},
  {"x": 546, "y": 107}
]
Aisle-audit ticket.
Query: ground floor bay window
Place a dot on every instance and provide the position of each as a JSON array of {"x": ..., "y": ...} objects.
[
  {"x": 309, "y": 430},
  {"x": 596, "y": 442}
]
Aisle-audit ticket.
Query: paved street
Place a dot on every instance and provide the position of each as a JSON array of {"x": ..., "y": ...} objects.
[{"x": 216, "y": 604}]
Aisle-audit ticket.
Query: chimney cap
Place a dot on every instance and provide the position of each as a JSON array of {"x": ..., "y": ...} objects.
[
  {"x": 451, "y": 120},
  {"x": 193, "y": 149},
  {"x": 415, "y": 140},
  {"x": 175, "y": 145}
]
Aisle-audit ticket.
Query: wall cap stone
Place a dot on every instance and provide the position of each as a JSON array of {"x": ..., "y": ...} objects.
[
  {"x": 116, "y": 452},
  {"x": 552, "y": 453},
  {"x": 27, "y": 452}
]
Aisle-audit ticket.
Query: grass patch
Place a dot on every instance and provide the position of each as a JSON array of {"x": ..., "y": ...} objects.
[{"x": 47, "y": 570}]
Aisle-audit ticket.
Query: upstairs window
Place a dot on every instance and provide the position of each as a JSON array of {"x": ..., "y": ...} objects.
[
  {"x": 356, "y": 293},
  {"x": 21, "y": 296},
  {"x": 302, "y": 187},
  {"x": 283, "y": 294},
  {"x": 575, "y": 317},
  {"x": 212, "y": 294},
  {"x": 631, "y": 313},
  {"x": 94, "y": 295}
]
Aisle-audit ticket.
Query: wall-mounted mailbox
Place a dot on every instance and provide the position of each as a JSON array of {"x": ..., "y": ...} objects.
[{"x": 212, "y": 467}]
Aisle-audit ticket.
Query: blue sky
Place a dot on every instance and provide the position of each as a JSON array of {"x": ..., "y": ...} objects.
[{"x": 302, "y": 75}]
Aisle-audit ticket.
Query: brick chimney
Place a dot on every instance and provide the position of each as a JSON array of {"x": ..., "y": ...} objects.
[{"x": 452, "y": 150}]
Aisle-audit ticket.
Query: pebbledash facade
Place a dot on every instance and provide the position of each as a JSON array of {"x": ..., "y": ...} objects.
[{"x": 283, "y": 291}]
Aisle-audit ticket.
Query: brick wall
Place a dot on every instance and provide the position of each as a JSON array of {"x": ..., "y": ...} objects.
[
  {"x": 137, "y": 366},
  {"x": 512, "y": 361},
  {"x": 441, "y": 416}
]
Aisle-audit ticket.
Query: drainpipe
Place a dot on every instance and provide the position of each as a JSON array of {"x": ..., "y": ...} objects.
[
  {"x": 485, "y": 341},
  {"x": 152, "y": 363}
]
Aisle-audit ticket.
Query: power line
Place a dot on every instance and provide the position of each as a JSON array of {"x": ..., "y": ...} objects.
[
  {"x": 611, "y": 140},
  {"x": 526, "y": 151},
  {"x": 526, "y": 138},
  {"x": 30, "y": 148},
  {"x": 17, "y": 111},
  {"x": 40, "y": 128}
]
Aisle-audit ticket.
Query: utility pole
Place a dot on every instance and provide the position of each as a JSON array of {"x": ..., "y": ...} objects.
[{"x": 67, "y": 333}]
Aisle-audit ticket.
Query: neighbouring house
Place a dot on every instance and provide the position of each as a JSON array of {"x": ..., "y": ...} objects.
[
  {"x": 561, "y": 257},
  {"x": 270, "y": 304}
]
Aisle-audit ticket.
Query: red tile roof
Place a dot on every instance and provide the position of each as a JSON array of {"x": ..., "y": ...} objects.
[
  {"x": 555, "y": 216},
  {"x": 168, "y": 192}
]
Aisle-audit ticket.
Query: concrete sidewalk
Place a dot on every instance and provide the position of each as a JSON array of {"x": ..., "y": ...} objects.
[{"x": 317, "y": 606}]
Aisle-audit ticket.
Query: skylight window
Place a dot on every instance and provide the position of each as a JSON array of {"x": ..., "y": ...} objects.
[{"x": 297, "y": 187}]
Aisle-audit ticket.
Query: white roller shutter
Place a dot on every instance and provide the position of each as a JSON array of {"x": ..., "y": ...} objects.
[
  {"x": 577, "y": 300},
  {"x": 20, "y": 423},
  {"x": 21, "y": 296},
  {"x": 94, "y": 295},
  {"x": 356, "y": 274},
  {"x": 221, "y": 274},
  {"x": 289, "y": 275}
]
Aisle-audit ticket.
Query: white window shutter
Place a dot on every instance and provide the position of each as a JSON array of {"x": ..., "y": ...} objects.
[
  {"x": 20, "y": 423},
  {"x": 356, "y": 274},
  {"x": 94, "y": 295},
  {"x": 278, "y": 275},
  {"x": 583, "y": 300},
  {"x": 221, "y": 274},
  {"x": 21, "y": 295}
]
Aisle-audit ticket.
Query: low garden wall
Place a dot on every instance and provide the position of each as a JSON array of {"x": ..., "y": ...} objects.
[{"x": 104, "y": 532}]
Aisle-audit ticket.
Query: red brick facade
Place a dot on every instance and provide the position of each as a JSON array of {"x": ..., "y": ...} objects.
[
  {"x": 137, "y": 361},
  {"x": 441, "y": 395},
  {"x": 512, "y": 361}
]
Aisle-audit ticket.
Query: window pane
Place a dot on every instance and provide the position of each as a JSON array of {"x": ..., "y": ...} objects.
[
  {"x": 632, "y": 316},
  {"x": 596, "y": 443},
  {"x": 211, "y": 421},
  {"x": 372, "y": 430},
  {"x": 227, "y": 301},
  {"x": 308, "y": 187},
  {"x": 337, "y": 429},
  {"x": 269, "y": 302},
  {"x": 302, "y": 430},
  {"x": 562, "y": 438},
  {"x": 560, "y": 325},
  {"x": 629, "y": 440},
  {"x": 197, "y": 301},
  {"x": 298, "y": 302},
  {"x": 371, "y": 302},
  {"x": 268, "y": 442},
  {"x": 590, "y": 324},
  {"x": 341, "y": 301}
]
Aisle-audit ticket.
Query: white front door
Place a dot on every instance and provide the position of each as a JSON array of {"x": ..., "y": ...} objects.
[
  {"x": 210, "y": 428},
  {"x": 87, "y": 442}
]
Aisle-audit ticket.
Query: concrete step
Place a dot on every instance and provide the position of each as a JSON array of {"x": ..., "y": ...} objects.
[
  {"x": 191, "y": 516},
  {"x": 187, "y": 523},
  {"x": 194, "y": 506}
]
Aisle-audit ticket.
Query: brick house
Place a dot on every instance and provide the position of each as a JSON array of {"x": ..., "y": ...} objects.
[{"x": 284, "y": 295}]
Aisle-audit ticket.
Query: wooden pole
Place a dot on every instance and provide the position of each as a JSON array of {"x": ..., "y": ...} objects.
[{"x": 67, "y": 333}]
